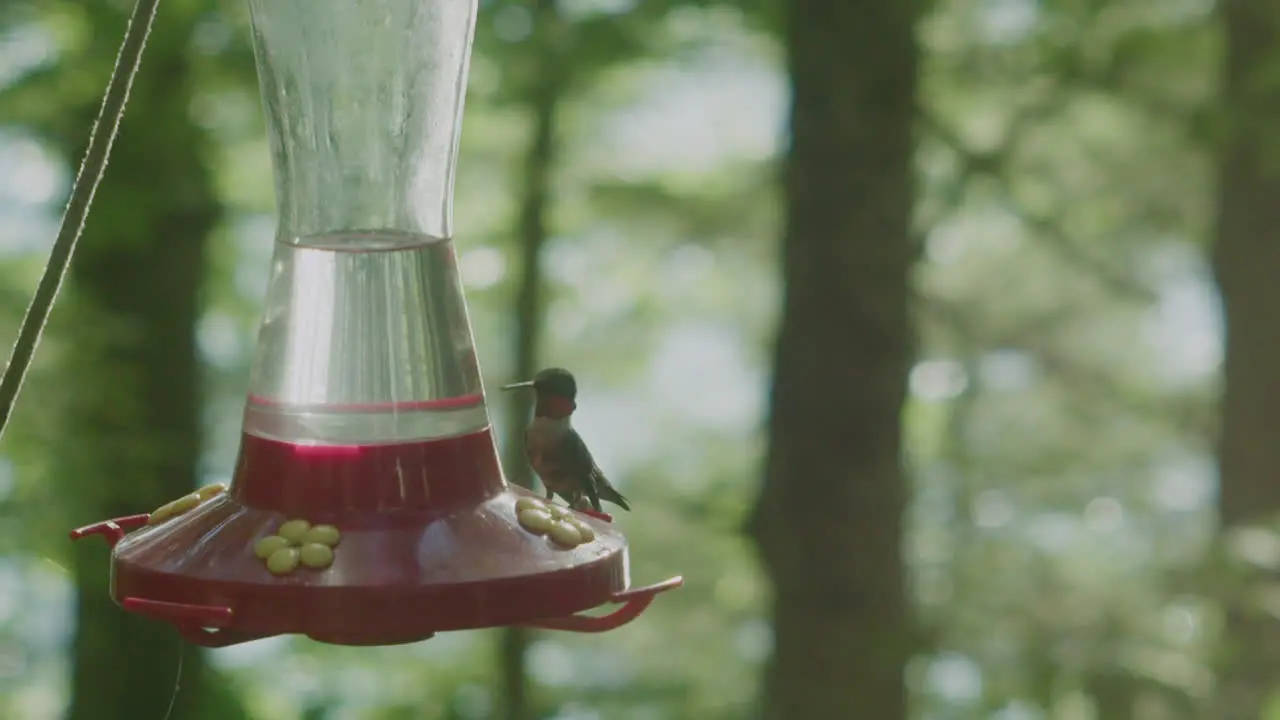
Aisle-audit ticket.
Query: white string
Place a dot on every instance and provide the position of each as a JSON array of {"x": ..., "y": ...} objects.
[{"x": 177, "y": 681}]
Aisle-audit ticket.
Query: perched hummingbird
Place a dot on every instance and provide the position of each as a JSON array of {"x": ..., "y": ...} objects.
[{"x": 555, "y": 450}]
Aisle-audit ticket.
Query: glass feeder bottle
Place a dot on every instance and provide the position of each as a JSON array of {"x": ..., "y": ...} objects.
[{"x": 365, "y": 337}]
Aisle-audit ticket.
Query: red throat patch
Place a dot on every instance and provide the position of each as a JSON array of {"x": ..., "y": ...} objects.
[{"x": 554, "y": 406}]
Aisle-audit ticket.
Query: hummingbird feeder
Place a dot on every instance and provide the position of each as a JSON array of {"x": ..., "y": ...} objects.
[{"x": 368, "y": 505}]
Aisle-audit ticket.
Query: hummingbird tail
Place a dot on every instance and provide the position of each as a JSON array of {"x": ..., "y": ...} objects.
[{"x": 607, "y": 492}]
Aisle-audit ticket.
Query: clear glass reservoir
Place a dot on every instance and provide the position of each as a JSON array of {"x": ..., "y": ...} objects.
[{"x": 365, "y": 337}]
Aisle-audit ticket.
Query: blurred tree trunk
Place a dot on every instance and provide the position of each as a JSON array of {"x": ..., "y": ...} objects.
[
  {"x": 546, "y": 89},
  {"x": 131, "y": 430},
  {"x": 1247, "y": 263},
  {"x": 828, "y": 521}
]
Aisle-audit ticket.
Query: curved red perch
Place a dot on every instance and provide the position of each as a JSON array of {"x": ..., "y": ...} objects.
[
  {"x": 205, "y": 616},
  {"x": 113, "y": 530},
  {"x": 597, "y": 514},
  {"x": 197, "y": 624},
  {"x": 636, "y": 601}
]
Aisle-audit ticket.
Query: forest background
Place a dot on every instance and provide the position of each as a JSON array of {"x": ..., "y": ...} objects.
[{"x": 902, "y": 324}]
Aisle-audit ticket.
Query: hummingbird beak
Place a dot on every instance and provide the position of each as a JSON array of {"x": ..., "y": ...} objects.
[{"x": 517, "y": 386}]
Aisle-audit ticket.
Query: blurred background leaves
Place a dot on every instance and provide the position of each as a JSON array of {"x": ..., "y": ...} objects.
[{"x": 1088, "y": 176}]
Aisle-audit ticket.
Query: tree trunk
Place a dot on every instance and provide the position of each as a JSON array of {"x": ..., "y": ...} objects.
[
  {"x": 540, "y": 158},
  {"x": 828, "y": 521},
  {"x": 131, "y": 431},
  {"x": 1247, "y": 264}
]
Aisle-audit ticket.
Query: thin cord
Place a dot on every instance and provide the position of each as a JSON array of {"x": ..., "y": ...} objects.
[
  {"x": 177, "y": 681},
  {"x": 89, "y": 176}
]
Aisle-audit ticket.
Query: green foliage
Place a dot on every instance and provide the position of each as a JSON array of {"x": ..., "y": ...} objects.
[{"x": 1062, "y": 514}]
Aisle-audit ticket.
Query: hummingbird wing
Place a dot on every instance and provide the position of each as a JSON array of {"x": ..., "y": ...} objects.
[
  {"x": 584, "y": 466},
  {"x": 597, "y": 485}
]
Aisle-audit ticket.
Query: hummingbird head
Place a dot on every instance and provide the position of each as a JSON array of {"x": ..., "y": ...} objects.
[{"x": 557, "y": 392}]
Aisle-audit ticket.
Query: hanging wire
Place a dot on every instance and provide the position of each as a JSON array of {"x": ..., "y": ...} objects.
[
  {"x": 86, "y": 183},
  {"x": 177, "y": 681}
]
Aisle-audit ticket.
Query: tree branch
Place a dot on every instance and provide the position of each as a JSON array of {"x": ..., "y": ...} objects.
[
  {"x": 1189, "y": 419},
  {"x": 993, "y": 164}
]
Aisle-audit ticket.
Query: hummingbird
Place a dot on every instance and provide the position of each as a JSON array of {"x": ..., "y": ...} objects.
[{"x": 556, "y": 451}]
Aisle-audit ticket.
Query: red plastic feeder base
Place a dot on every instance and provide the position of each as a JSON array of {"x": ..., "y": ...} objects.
[{"x": 429, "y": 542}]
